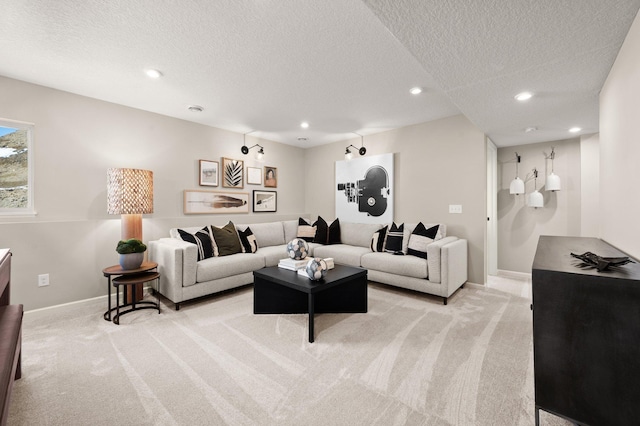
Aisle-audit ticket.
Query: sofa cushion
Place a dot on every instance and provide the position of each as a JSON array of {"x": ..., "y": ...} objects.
[
  {"x": 226, "y": 239},
  {"x": 409, "y": 266},
  {"x": 394, "y": 239},
  {"x": 305, "y": 230},
  {"x": 357, "y": 234},
  {"x": 290, "y": 228},
  {"x": 248, "y": 240},
  {"x": 341, "y": 253},
  {"x": 202, "y": 240},
  {"x": 268, "y": 234},
  {"x": 420, "y": 238},
  {"x": 273, "y": 254},
  {"x": 378, "y": 240},
  {"x": 226, "y": 266}
]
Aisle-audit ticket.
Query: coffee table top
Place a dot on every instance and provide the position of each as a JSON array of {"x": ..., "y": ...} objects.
[{"x": 336, "y": 276}]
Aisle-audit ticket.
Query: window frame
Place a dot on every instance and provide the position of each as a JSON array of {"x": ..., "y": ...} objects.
[{"x": 30, "y": 209}]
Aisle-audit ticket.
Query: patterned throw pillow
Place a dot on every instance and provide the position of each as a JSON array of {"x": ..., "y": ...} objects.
[
  {"x": 226, "y": 239},
  {"x": 420, "y": 238},
  {"x": 248, "y": 240},
  {"x": 394, "y": 239},
  {"x": 305, "y": 230},
  {"x": 378, "y": 240},
  {"x": 202, "y": 239}
]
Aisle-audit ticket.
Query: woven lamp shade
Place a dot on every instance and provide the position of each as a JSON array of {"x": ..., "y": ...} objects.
[{"x": 129, "y": 191}]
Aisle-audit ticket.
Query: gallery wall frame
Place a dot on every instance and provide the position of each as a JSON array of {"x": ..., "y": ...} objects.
[
  {"x": 254, "y": 176},
  {"x": 270, "y": 177},
  {"x": 265, "y": 201},
  {"x": 208, "y": 171},
  {"x": 233, "y": 173},
  {"x": 215, "y": 202}
]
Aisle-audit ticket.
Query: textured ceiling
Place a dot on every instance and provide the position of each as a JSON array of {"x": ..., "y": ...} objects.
[{"x": 342, "y": 65}]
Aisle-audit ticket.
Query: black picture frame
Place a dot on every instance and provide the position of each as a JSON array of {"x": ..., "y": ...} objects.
[{"x": 265, "y": 201}]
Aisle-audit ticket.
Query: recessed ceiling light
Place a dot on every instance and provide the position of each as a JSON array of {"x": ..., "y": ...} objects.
[
  {"x": 195, "y": 108},
  {"x": 153, "y": 73},
  {"x": 304, "y": 125},
  {"x": 575, "y": 129},
  {"x": 303, "y": 139},
  {"x": 416, "y": 90},
  {"x": 530, "y": 129},
  {"x": 524, "y": 96}
]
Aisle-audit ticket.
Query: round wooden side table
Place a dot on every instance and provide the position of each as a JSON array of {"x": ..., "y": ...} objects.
[
  {"x": 129, "y": 282},
  {"x": 116, "y": 271}
]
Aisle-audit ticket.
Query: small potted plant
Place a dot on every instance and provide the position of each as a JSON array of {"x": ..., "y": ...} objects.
[{"x": 131, "y": 253}]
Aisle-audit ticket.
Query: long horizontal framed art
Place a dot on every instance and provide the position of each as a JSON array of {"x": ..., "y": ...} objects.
[{"x": 214, "y": 202}]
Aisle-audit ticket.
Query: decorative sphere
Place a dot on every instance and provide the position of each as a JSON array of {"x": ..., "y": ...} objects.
[
  {"x": 316, "y": 268},
  {"x": 297, "y": 249}
]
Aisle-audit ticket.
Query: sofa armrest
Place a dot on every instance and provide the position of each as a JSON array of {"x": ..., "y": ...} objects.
[
  {"x": 434, "y": 258},
  {"x": 454, "y": 265},
  {"x": 177, "y": 262}
]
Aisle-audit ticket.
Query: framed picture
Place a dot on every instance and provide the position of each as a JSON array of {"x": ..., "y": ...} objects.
[
  {"x": 208, "y": 173},
  {"x": 212, "y": 202},
  {"x": 254, "y": 176},
  {"x": 270, "y": 177},
  {"x": 232, "y": 171},
  {"x": 265, "y": 201}
]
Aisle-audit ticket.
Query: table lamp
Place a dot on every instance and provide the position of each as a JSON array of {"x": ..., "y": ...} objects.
[{"x": 130, "y": 194}]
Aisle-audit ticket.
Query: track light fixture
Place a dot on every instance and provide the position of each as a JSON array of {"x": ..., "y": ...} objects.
[
  {"x": 362, "y": 150},
  {"x": 245, "y": 149}
]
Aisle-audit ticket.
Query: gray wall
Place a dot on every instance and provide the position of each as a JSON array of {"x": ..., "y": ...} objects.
[
  {"x": 76, "y": 139},
  {"x": 620, "y": 148},
  {"x": 437, "y": 163},
  {"x": 519, "y": 226}
]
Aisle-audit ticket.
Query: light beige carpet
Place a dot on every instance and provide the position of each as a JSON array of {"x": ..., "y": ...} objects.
[{"x": 409, "y": 360}]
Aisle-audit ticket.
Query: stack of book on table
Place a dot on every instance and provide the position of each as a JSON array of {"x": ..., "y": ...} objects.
[{"x": 293, "y": 264}]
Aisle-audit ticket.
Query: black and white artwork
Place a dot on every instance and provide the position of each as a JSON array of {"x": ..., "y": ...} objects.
[{"x": 364, "y": 189}]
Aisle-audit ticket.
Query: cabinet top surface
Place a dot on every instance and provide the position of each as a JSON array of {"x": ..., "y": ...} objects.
[{"x": 554, "y": 254}]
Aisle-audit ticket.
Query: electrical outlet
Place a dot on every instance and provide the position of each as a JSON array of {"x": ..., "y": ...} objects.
[
  {"x": 43, "y": 280},
  {"x": 455, "y": 208}
]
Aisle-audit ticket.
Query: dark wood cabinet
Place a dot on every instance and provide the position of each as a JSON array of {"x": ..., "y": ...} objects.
[{"x": 586, "y": 334}]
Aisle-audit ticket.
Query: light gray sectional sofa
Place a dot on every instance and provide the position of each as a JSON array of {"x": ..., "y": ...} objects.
[{"x": 183, "y": 277}]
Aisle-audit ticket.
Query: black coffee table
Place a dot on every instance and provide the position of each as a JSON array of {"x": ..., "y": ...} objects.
[{"x": 281, "y": 291}]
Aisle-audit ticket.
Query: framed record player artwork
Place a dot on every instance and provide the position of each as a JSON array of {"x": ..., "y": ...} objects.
[{"x": 364, "y": 189}]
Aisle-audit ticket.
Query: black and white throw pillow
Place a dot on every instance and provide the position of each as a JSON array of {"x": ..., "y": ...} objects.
[
  {"x": 305, "y": 230},
  {"x": 378, "y": 240},
  {"x": 248, "y": 240},
  {"x": 203, "y": 241},
  {"x": 394, "y": 239},
  {"x": 420, "y": 238}
]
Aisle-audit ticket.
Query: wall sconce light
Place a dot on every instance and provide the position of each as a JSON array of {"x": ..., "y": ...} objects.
[
  {"x": 517, "y": 184},
  {"x": 245, "y": 149},
  {"x": 553, "y": 180},
  {"x": 362, "y": 150},
  {"x": 535, "y": 198}
]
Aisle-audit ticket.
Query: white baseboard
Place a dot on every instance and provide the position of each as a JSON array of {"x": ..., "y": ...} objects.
[{"x": 515, "y": 275}]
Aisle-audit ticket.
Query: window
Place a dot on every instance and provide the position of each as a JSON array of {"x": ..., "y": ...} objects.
[{"x": 16, "y": 161}]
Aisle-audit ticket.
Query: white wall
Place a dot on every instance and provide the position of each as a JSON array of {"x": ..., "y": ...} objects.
[
  {"x": 76, "y": 139},
  {"x": 520, "y": 226},
  {"x": 437, "y": 163},
  {"x": 590, "y": 185},
  {"x": 620, "y": 148}
]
